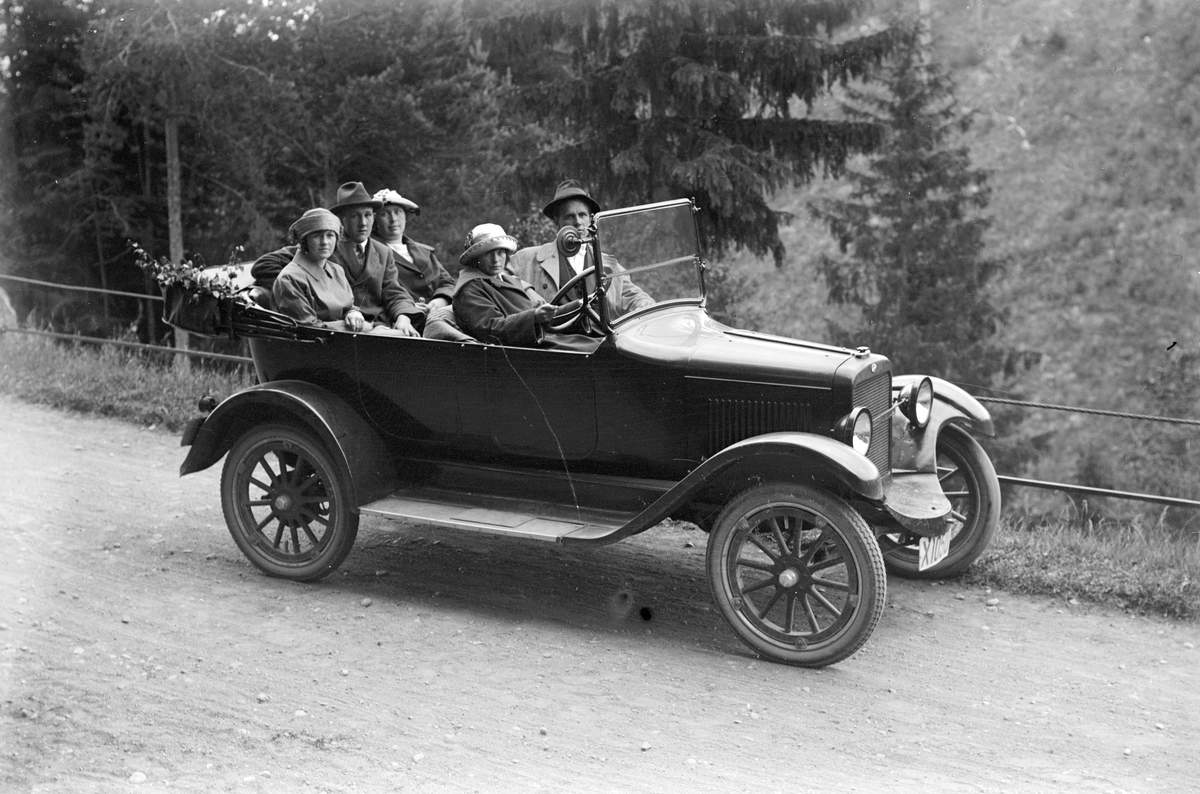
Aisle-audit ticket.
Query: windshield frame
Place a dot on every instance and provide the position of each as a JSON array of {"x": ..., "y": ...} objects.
[{"x": 701, "y": 299}]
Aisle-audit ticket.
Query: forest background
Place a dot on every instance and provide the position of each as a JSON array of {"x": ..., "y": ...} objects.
[{"x": 1083, "y": 114}]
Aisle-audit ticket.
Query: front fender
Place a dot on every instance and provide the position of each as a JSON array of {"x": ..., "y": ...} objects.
[
  {"x": 801, "y": 457},
  {"x": 916, "y": 450},
  {"x": 357, "y": 448}
]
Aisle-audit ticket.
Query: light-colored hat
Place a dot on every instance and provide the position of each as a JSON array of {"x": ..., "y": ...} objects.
[
  {"x": 315, "y": 220},
  {"x": 483, "y": 238},
  {"x": 386, "y": 197},
  {"x": 353, "y": 194}
]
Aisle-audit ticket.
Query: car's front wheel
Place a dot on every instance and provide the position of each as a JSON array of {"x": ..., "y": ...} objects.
[
  {"x": 286, "y": 503},
  {"x": 797, "y": 574},
  {"x": 969, "y": 481}
]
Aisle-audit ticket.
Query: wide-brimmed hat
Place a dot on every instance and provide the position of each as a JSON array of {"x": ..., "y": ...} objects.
[
  {"x": 315, "y": 220},
  {"x": 385, "y": 197},
  {"x": 483, "y": 238},
  {"x": 569, "y": 189},
  {"x": 353, "y": 194}
]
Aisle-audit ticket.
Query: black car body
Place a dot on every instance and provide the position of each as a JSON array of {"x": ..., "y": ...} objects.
[{"x": 757, "y": 439}]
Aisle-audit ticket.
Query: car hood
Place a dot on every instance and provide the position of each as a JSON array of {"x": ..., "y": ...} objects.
[{"x": 707, "y": 349}]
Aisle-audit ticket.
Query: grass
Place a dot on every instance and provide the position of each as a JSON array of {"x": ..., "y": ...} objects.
[
  {"x": 107, "y": 381},
  {"x": 1140, "y": 566},
  {"x": 1135, "y": 565}
]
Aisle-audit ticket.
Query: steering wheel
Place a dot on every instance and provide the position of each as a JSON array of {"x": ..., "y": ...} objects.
[{"x": 579, "y": 309}]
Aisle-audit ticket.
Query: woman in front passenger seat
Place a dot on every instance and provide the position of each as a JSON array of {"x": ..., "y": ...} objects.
[{"x": 495, "y": 306}]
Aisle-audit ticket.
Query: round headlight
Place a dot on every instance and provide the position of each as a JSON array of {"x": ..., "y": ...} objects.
[
  {"x": 916, "y": 402},
  {"x": 861, "y": 433},
  {"x": 854, "y": 429}
]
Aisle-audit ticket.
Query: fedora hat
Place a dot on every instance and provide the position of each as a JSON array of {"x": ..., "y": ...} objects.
[
  {"x": 569, "y": 189},
  {"x": 353, "y": 194},
  {"x": 483, "y": 238},
  {"x": 385, "y": 197}
]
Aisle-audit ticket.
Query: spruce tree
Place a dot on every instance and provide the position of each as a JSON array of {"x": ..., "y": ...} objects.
[
  {"x": 911, "y": 233},
  {"x": 712, "y": 99}
]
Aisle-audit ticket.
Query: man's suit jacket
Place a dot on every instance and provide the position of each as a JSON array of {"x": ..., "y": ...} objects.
[
  {"x": 538, "y": 265},
  {"x": 376, "y": 282}
]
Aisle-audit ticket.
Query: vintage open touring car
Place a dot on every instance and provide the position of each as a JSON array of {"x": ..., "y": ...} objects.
[{"x": 810, "y": 467}]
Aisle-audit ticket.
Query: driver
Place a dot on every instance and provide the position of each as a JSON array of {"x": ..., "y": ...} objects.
[
  {"x": 547, "y": 270},
  {"x": 494, "y": 306}
]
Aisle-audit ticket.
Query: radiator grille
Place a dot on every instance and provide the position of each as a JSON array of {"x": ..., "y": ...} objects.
[
  {"x": 875, "y": 394},
  {"x": 730, "y": 421}
]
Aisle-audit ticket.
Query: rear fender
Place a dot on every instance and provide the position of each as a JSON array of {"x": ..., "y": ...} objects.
[
  {"x": 356, "y": 447},
  {"x": 774, "y": 457},
  {"x": 916, "y": 450}
]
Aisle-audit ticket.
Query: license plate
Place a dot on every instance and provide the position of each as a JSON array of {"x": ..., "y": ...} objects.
[{"x": 933, "y": 550}]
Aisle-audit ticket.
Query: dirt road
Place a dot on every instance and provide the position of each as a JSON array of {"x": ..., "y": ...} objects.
[{"x": 141, "y": 652}]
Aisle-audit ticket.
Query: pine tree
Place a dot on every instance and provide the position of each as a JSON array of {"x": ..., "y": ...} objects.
[
  {"x": 713, "y": 99},
  {"x": 911, "y": 233}
]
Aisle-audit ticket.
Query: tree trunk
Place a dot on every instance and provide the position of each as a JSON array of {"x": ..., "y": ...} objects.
[{"x": 175, "y": 222}]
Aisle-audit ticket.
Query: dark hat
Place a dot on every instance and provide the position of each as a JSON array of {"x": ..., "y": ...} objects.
[
  {"x": 569, "y": 189},
  {"x": 353, "y": 194}
]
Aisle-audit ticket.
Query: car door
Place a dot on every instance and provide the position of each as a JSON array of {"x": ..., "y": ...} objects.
[{"x": 541, "y": 403}]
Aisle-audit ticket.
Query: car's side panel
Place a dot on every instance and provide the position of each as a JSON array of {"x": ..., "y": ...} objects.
[
  {"x": 798, "y": 457},
  {"x": 539, "y": 403}
]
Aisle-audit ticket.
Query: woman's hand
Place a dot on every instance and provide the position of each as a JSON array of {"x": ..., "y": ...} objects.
[
  {"x": 544, "y": 313},
  {"x": 354, "y": 320}
]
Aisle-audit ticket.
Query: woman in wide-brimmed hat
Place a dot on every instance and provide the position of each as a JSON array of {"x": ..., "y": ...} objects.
[
  {"x": 310, "y": 288},
  {"x": 417, "y": 266},
  {"x": 495, "y": 306},
  {"x": 420, "y": 271}
]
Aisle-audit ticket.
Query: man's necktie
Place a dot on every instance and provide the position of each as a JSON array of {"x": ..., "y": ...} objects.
[{"x": 362, "y": 253}]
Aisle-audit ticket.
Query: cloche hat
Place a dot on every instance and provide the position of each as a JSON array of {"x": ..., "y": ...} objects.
[
  {"x": 315, "y": 220},
  {"x": 353, "y": 194},
  {"x": 385, "y": 197},
  {"x": 483, "y": 238},
  {"x": 569, "y": 189}
]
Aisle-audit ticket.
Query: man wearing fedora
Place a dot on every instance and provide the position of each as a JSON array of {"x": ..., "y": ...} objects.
[
  {"x": 369, "y": 264},
  {"x": 546, "y": 268}
]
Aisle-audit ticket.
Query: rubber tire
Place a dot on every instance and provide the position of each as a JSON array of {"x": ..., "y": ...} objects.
[
  {"x": 334, "y": 531},
  {"x": 865, "y": 577},
  {"x": 980, "y": 509}
]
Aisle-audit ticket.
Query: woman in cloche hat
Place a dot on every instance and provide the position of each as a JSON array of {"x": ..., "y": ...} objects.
[{"x": 310, "y": 288}]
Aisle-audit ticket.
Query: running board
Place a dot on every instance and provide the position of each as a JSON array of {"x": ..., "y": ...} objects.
[{"x": 496, "y": 515}]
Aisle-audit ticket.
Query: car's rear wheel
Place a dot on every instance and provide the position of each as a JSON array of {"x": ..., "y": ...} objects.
[
  {"x": 797, "y": 574},
  {"x": 287, "y": 504},
  {"x": 969, "y": 481}
]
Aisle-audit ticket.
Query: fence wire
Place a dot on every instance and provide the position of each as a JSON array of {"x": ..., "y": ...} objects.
[
  {"x": 1095, "y": 411},
  {"x": 172, "y": 351}
]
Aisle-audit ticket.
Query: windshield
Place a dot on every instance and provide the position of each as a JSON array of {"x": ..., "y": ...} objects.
[{"x": 654, "y": 248}]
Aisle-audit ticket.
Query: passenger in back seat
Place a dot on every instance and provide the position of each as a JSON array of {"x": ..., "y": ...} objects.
[
  {"x": 368, "y": 264},
  {"x": 312, "y": 288}
]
